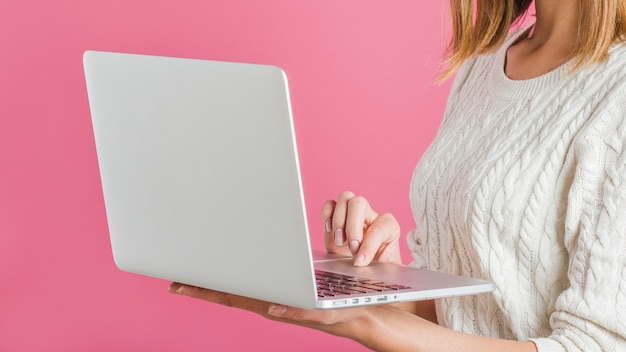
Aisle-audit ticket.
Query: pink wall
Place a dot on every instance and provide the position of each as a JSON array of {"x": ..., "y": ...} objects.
[{"x": 365, "y": 109}]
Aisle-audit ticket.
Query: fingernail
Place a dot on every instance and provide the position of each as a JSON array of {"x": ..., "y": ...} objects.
[
  {"x": 354, "y": 246},
  {"x": 276, "y": 311},
  {"x": 340, "y": 239},
  {"x": 360, "y": 260},
  {"x": 327, "y": 225},
  {"x": 180, "y": 289}
]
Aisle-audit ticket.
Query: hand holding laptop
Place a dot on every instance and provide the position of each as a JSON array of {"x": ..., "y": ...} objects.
[{"x": 350, "y": 322}]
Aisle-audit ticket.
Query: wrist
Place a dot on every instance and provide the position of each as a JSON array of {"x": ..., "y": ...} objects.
[
  {"x": 366, "y": 327},
  {"x": 375, "y": 327}
]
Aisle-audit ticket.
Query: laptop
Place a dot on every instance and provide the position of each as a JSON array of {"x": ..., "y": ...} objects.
[{"x": 201, "y": 185}]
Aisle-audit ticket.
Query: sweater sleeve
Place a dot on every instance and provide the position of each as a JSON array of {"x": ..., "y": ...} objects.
[{"x": 590, "y": 315}]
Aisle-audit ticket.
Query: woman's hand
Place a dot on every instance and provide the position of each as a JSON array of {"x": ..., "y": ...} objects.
[
  {"x": 342, "y": 322},
  {"x": 352, "y": 227},
  {"x": 378, "y": 327}
]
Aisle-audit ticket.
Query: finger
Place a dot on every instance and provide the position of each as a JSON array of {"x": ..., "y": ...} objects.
[
  {"x": 380, "y": 242},
  {"x": 221, "y": 298},
  {"x": 339, "y": 218},
  {"x": 327, "y": 215},
  {"x": 334, "y": 321},
  {"x": 315, "y": 316},
  {"x": 359, "y": 215},
  {"x": 329, "y": 239},
  {"x": 328, "y": 208},
  {"x": 329, "y": 320},
  {"x": 312, "y": 318}
]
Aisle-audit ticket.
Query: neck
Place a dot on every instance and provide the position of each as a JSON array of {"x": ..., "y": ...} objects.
[
  {"x": 550, "y": 44},
  {"x": 557, "y": 24}
]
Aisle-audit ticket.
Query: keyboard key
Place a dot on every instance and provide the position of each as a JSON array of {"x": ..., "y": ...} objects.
[{"x": 334, "y": 284}]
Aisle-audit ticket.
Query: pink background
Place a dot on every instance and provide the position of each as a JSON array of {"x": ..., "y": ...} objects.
[{"x": 361, "y": 74}]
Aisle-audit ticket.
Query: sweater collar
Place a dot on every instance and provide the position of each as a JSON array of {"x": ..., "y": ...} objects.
[{"x": 502, "y": 86}]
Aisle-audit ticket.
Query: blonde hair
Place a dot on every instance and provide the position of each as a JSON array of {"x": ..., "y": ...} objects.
[{"x": 480, "y": 26}]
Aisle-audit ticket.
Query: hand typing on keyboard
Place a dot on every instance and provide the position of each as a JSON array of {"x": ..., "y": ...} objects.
[{"x": 352, "y": 227}]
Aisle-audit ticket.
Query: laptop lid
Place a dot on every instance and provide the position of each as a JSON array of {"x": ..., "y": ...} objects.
[
  {"x": 201, "y": 183},
  {"x": 200, "y": 173}
]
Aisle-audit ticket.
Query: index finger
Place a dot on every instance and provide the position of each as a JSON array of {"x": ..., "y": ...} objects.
[
  {"x": 380, "y": 242},
  {"x": 359, "y": 216},
  {"x": 221, "y": 298}
]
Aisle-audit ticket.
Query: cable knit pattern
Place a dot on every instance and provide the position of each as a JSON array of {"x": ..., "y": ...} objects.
[{"x": 525, "y": 185}]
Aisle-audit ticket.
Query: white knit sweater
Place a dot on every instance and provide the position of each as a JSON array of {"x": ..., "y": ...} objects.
[{"x": 525, "y": 185}]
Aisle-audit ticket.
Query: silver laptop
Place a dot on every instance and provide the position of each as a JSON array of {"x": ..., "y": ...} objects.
[{"x": 201, "y": 183}]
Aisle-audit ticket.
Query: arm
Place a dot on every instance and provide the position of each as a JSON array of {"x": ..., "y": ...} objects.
[
  {"x": 381, "y": 328},
  {"x": 589, "y": 314}
]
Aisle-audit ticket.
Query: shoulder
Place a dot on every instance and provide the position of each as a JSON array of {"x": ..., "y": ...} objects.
[
  {"x": 617, "y": 54},
  {"x": 598, "y": 150},
  {"x": 602, "y": 88}
]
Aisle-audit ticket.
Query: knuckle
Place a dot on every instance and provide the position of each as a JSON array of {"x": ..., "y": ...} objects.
[
  {"x": 390, "y": 219},
  {"x": 358, "y": 201},
  {"x": 346, "y": 195}
]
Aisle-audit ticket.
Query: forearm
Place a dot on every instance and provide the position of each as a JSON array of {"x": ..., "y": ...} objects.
[
  {"x": 387, "y": 328},
  {"x": 425, "y": 309}
]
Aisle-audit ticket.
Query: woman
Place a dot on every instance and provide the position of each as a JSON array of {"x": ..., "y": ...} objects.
[{"x": 525, "y": 185}]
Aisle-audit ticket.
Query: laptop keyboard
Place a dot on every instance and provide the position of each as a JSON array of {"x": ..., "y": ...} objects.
[{"x": 333, "y": 285}]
